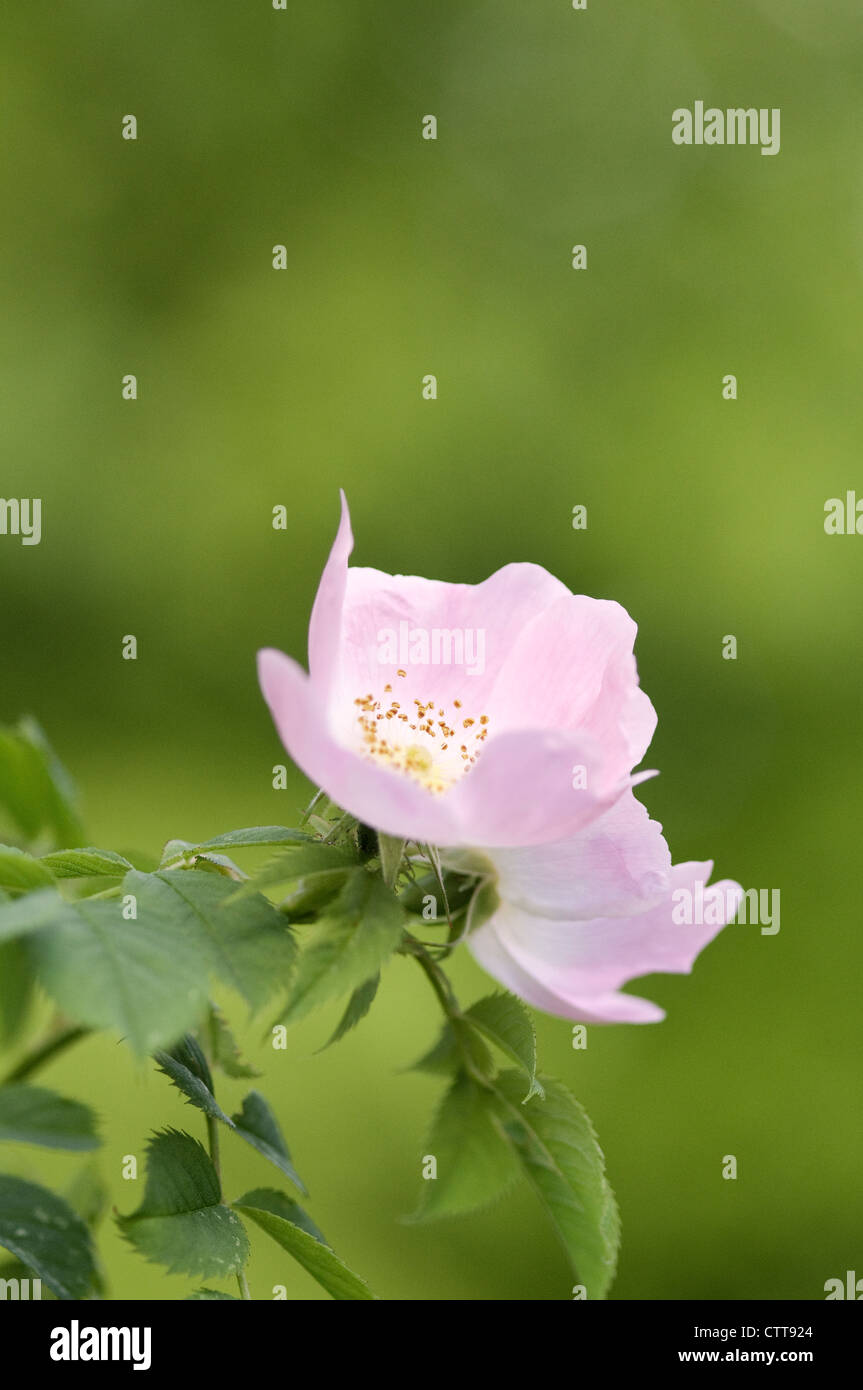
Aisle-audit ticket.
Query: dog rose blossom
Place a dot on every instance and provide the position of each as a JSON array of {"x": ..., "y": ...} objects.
[{"x": 498, "y": 714}]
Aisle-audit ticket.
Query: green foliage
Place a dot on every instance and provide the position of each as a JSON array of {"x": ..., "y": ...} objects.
[
  {"x": 86, "y": 863},
  {"x": 146, "y": 979},
  {"x": 475, "y": 1165},
  {"x": 357, "y": 1007},
  {"x": 348, "y": 945},
  {"x": 36, "y": 792},
  {"x": 137, "y": 950},
  {"x": 47, "y": 1236},
  {"x": 257, "y": 1124},
  {"x": 182, "y": 1222},
  {"x": 187, "y": 1068},
  {"x": 19, "y": 871},
  {"x": 33, "y": 1115},
  {"x": 506, "y": 1023},
  {"x": 561, "y": 1157},
  {"x": 223, "y": 1047},
  {"x": 316, "y": 1258},
  {"x": 247, "y": 945}
]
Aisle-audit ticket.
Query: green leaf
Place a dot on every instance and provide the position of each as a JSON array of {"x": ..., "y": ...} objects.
[
  {"x": 16, "y": 988},
  {"x": 358, "y": 1006},
  {"x": 560, "y": 1154},
  {"x": 146, "y": 978},
  {"x": 257, "y": 1124},
  {"x": 247, "y": 944},
  {"x": 305, "y": 859},
  {"x": 392, "y": 854},
  {"x": 506, "y": 1023},
  {"x": 32, "y": 912},
  {"x": 458, "y": 1042},
  {"x": 86, "y": 863},
  {"x": 46, "y": 1235},
  {"x": 20, "y": 872},
  {"x": 33, "y": 1115},
  {"x": 280, "y": 1204},
  {"x": 186, "y": 1066},
  {"x": 224, "y": 1049},
  {"x": 475, "y": 1164},
  {"x": 312, "y": 894},
  {"x": 360, "y": 931},
  {"x": 203, "y": 1295},
  {"x": 318, "y": 1260},
  {"x": 182, "y": 1222},
  {"x": 258, "y": 836}
]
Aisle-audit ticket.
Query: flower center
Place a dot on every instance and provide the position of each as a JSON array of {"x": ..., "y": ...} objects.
[{"x": 422, "y": 740}]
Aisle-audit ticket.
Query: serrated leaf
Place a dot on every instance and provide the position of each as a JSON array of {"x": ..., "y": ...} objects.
[
  {"x": 86, "y": 863},
  {"x": 561, "y": 1157},
  {"x": 358, "y": 1006},
  {"x": 280, "y": 1204},
  {"x": 475, "y": 1164},
  {"x": 257, "y": 836},
  {"x": 34, "y": 1115},
  {"x": 318, "y": 1260},
  {"x": 46, "y": 1235},
  {"x": 212, "y": 1295},
  {"x": 359, "y": 932},
  {"x": 257, "y": 1124},
  {"x": 146, "y": 978},
  {"x": 506, "y": 1023},
  {"x": 224, "y": 1049},
  {"x": 247, "y": 944},
  {"x": 182, "y": 1222},
  {"x": 20, "y": 872},
  {"x": 186, "y": 1066}
]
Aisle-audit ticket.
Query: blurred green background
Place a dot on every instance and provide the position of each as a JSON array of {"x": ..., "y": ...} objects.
[{"x": 556, "y": 387}]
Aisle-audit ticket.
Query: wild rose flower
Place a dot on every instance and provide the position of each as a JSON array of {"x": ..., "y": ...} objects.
[
  {"x": 501, "y": 713},
  {"x": 579, "y": 918}
]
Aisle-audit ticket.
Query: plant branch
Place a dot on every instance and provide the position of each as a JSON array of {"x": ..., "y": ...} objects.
[{"x": 61, "y": 1037}]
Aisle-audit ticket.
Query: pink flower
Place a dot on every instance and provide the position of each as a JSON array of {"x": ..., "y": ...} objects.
[
  {"x": 581, "y": 917},
  {"x": 501, "y": 713}
]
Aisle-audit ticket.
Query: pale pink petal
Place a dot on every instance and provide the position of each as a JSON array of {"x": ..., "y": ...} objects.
[
  {"x": 572, "y": 667},
  {"x": 325, "y": 636},
  {"x": 521, "y": 790},
  {"x": 618, "y": 865},
  {"x": 602, "y": 954},
  {"x": 387, "y": 800},
  {"x": 474, "y": 622},
  {"x": 496, "y": 959}
]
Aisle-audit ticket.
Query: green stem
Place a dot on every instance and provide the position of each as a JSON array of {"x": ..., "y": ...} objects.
[
  {"x": 57, "y": 1041},
  {"x": 213, "y": 1139},
  {"x": 448, "y": 1002},
  {"x": 213, "y": 1143}
]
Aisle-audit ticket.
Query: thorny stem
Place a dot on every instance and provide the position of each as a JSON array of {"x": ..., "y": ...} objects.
[{"x": 60, "y": 1037}]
